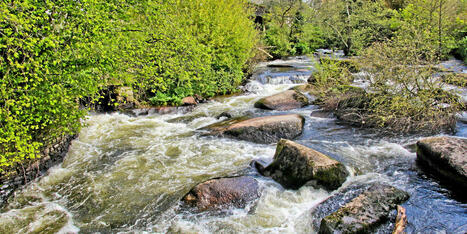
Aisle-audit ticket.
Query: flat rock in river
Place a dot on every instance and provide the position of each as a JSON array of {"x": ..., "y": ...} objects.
[
  {"x": 294, "y": 165},
  {"x": 446, "y": 157},
  {"x": 268, "y": 129},
  {"x": 287, "y": 100},
  {"x": 217, "y": 194},
  {"x": 365, "y": 212}
]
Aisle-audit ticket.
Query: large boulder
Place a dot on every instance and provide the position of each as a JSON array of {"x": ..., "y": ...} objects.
[
  {"x": 294, "y": 165},
  {"x": 268, "y": 129},
  {"x": 286, "y": 100},
  {"x": 445, "y": 157},
  {"x": 218, "y": 194},
  {"x": 365, "y": 212}
]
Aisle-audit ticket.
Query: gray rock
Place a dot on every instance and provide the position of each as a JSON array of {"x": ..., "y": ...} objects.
[
  {"x": 268, "y": 129},
  {"x": 365, "y": 212},
  {"x": 445, "y": 157},
  {"x": 294, "y": 165},
  {"x": 223, "y": 193},
  {"x": 287, "y": 100}
]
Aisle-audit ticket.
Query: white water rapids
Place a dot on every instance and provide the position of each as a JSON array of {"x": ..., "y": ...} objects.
[{"x": 127, "y": 174}]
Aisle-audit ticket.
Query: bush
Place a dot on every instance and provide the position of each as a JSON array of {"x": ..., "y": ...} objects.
[
  {"x": 42, "y": 76},
  {"x": 406, "y": 96},
  {"x": 53, "y": 53}
]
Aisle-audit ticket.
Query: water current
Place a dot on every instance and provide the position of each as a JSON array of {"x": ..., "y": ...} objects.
[{"x": 127, "y": 174}]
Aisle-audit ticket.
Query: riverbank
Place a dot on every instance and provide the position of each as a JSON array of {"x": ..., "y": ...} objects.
[{"x": 129, "y": 173}]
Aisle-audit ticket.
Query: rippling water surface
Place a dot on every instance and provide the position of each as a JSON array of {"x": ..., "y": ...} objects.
[{"x": 128, "y": 173}]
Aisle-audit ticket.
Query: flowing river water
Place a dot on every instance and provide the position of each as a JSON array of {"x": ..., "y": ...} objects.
[{"x": 128, "y": 174}]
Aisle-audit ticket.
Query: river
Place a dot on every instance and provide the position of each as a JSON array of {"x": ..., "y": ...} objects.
[{"x": 128, "y": 174}]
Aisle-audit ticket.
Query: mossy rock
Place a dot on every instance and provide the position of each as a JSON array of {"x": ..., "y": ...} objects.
[
  {"x": 365, "y": 212},
  {"x": 294, "y": 165}
]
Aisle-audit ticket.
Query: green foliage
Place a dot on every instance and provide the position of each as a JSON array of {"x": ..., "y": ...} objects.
[
  {"x": 434, "y": 25},
  {"x": 461, "y": 49},
  {"x": 354, "y": 25},
  {"x": 42, "y": 74},
  {"x": 184, "y": 48},
  {"x": 53, "y": 53},
  {"x": 332, "y": 73},
  {"x": 289, "y": 30},
  {"x": 406, "y": 95}
]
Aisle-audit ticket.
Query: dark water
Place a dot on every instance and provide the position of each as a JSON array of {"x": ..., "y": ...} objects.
[{"x": 127, "y": 174}]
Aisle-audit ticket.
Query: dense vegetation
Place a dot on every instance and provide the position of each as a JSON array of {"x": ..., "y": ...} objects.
[
  {"x": 53, "y": 53},
  {"x": 398, "y": 55},
  {"x": 294, "y": 27}
]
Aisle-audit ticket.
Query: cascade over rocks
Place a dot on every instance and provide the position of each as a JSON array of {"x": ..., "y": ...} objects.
[
  {"x": 268, "y": 129},
  {"x": 287, "y": 100},
  {"x": 294, "y": 165},
  {"x": 365, "y": 212},
  {"x": 446, "y": 157},
  {"x": 218, "y": 194}
]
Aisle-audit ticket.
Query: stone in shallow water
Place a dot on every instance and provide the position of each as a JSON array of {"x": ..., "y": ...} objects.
[
  {"x": 445, "y": 157},
  {"x": 218, "y": 194},
  {"x": 286, "y": 100},
  {"x": 268, "y": 129},
  {"x": 294, "y": 165},
  {"x": 365, "y": 212}
]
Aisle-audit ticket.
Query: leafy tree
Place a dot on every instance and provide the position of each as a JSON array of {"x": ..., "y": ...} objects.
[
  {"x": 289, "y": 30},
  {"x": 352, "y": 25},
  {"x": 433, "y": 24}
]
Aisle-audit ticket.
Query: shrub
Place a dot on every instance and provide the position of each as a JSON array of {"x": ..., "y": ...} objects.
[
  {"x": 42, "y": 76},
  {"x": 53, "y": 53}
]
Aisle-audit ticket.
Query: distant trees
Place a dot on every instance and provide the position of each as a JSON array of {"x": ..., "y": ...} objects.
[
  {"x": 398, "y": 60},
  {"x": 288, "y": 28},
  {"x": 299, "y": 27}
]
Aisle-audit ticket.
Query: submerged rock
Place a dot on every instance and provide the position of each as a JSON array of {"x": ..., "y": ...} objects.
[
  {"x": 224, "y": 114},
  {"x": 286, "y": 100},
  {"x": 268, "y": 129},
  {"x": 365, "y": 212},
  {"x": 294, "y": 165},
  {"x": 446, "y": 157},
  {"x": 217, "y": 194}
]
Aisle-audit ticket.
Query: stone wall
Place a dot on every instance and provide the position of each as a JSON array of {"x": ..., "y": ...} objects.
[{"x": 51, "y": 155}]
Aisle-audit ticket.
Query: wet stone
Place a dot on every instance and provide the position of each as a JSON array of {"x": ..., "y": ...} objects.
[
  {"x": 366, "y": 212},
  {"x": 223, "y": 193},
  {"x": 266, "y": 130},
  {"x": 294, "y": 165},
  {"x": 287, "y": 100},
  {"x": 445, "y": 157}
]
